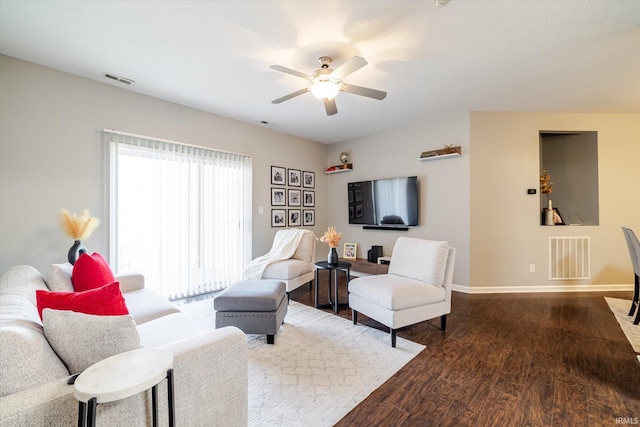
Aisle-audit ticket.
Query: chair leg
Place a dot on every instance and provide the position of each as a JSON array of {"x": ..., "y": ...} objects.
[
  {"x": 270, "y": 339},
  {"x": 288, "y": 297},
  {"x": 443, "y": 322},
  {"x": 310, "y": 285},
  {"x": 393, "y": 337},
  {"x": 637, "y": 320},
  {"x": 354, "y": 316},
  {"x": 636, "y": 296}
]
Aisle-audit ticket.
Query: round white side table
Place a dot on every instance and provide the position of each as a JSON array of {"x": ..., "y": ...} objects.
[{"x": 121, "y": 376}]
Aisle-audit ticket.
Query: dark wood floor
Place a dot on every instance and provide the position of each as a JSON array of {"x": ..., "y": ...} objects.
[{"x": 509, "y": 360}]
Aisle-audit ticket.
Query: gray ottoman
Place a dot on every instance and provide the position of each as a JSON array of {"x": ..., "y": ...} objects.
[{"x": 253, "y": 306}]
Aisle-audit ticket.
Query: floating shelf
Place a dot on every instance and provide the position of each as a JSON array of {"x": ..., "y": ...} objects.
[
  {"x": 348, "y": 167},
  {"x": 441, "y": 154}
]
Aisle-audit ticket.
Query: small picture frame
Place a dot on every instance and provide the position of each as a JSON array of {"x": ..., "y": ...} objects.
[
  {"x": 295, "y": 219},
  {"x": 278, "y": 175},
  {"x": 278, "y": 196},
  {"x": 308, "y": 179},
  {"x": 294, "y": 197},
  {"x": 278, "y": 217},
  {"x": 308, "y": 198},
  {"x": 294, "y": 178},
  {"x": 349, "y": 251},
  {"x": 308, "y": 217}
]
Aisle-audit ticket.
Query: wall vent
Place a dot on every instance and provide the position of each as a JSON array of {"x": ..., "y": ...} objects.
[
  {"x": 569, "y": 258},
  {"x": 119, "y": 78}
]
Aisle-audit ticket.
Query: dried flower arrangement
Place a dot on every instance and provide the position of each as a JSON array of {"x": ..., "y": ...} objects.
[
  {"x": 546, "y": 186},
  {"x": 78, "y": 227},
  {"x": 331, "y": 237}
]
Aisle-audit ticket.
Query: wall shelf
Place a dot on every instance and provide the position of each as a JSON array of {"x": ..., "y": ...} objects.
[
  {"x": 348, "y": 167},
  {"x": 441, "y": 154}
]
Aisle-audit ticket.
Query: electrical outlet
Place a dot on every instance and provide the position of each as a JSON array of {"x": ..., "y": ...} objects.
[
  {"x": 532, "y": 268},
  {"x": 260, "y": 210}
]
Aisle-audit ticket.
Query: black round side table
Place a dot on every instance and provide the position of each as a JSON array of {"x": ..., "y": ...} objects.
[{"x": 335, "y": 268}]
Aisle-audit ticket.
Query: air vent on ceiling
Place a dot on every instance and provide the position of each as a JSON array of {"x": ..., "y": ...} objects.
[{"x": 119, "y": 79}]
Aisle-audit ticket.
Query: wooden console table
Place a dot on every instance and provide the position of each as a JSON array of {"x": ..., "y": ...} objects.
[{"x": 362, "y": 267}]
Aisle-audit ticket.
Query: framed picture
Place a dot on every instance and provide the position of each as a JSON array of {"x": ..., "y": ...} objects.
[
  {"x": 308, "y": 179},
  {"x": 278, "y": 197},
  {"x": 294, "y": 197},
  {"x": 349, "y": 251},
  {"x": 294, "y": 218},
  {"x": 308, "y": 217},
  {"x": 308, "y": 198},
  {"x": 278, "y": 175},
  {"x": 278, "y": 218},
  {"x": 358, "y": 195},
  {"x": 294, "y": 177}
]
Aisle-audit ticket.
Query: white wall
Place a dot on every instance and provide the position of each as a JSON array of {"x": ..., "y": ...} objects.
[
  {"x": 51, "y": 156},
  {"x": 444, "y": 185},
  {"x": 506, "y": 235}
]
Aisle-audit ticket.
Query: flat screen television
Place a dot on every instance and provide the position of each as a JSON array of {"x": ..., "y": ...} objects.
[{"x": 384, "y": 203}]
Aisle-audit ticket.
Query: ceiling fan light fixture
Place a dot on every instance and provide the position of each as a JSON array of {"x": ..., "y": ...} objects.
[{"x": 325, "y": 87}]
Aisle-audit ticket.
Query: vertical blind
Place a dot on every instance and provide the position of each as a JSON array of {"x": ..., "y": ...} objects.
[{"x": 179, "y": 214}]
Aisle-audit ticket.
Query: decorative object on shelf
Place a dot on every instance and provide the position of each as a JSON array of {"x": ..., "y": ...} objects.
[
  {"x": 78, "y": 227},
  {"x": 546, "y": 188},
  {"x": 347, "y": 167},
  {"x": 548, "y": 219},
  {"x": 349, "y": 251},
  {"x": 332, "y": 238},
  {"x": 344, "y": 157},
  {"x": 447, "y": 151}
]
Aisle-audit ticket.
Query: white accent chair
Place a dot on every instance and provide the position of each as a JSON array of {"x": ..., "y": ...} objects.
[
  {"x": 297, "y": 270},
  {"x": 634, "y": 251},
  {"x": 416, "y": 288}
]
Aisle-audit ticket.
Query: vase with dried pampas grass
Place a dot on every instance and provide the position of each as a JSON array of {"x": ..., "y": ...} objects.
[{"x": 79, "y": 228}]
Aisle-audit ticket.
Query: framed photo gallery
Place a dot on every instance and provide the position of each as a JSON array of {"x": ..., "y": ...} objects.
[{"x": 292, "y": 194}]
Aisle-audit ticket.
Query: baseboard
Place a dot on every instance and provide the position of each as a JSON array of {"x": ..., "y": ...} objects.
[{"x": 540, "y": 289}]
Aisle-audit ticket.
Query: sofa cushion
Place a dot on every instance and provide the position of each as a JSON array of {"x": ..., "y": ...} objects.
[
  {"x": 424, "y": 260},
  {"x": 84, "y": 339},
  {"x": 171, "y": 328},
  {"x": 145, "y": 305},
  {"x": 106, "y": 300},
  {"x": 286, "y": 269},
  {"x": 395, "y": 292},
  {"x": 59, "y": 278},
  {"x": 90, "y": 272}
]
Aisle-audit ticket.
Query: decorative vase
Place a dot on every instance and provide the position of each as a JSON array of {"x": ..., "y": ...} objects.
[
  {"x": 75, "y": 251},
  {"x": 332, "y": 258},
  {"x": 549, "y": 220}
]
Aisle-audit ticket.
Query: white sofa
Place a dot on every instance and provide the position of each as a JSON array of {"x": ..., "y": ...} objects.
[{"x": 210, "y": 368}]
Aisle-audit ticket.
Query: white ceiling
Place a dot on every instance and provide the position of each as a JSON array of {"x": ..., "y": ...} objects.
[{"x": 494, "y": 55}]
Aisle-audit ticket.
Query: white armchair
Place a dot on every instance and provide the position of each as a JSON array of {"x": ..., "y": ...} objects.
[
  {"x": 297, "y": 270},
  {"x": 417, "y": 287}
]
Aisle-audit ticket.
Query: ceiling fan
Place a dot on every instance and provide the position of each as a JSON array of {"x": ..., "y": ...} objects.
[{"x": 327, "y": 83}]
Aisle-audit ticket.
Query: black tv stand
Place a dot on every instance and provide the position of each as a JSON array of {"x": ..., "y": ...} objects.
[{"x": 385, "y": 227}]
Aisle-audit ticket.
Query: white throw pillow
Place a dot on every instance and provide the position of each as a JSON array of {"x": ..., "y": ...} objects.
[
  {"x": 424, "y": 260},
  {"x": 59, "y": 278},
  {"x": 81, "y": 340}
]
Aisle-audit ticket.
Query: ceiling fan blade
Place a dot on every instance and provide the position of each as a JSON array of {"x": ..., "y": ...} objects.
[
  {"x": 353, "y": 64},
  {"x": 364, "y": 91},
  {"x": 291, "y": 95},
  {"x": 330, "y": 106},
  {"x": 290, "y": 71}
]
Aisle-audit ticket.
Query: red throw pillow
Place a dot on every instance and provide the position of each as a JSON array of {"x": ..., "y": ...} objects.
[
  {"x": 106, "y": 301},
  {"x": 90, "y": 272}
]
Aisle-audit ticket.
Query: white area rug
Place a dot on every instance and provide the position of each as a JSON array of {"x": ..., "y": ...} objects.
[
  {"x": 320, "y": 367},
  {"x": 620, "y": 309}
]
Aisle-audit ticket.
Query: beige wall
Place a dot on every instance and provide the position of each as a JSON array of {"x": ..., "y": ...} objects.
[
  {"x": 505, "y": 233},
  {"x": 51, "y": 156},
  {"x": 444, "y": 185}
]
